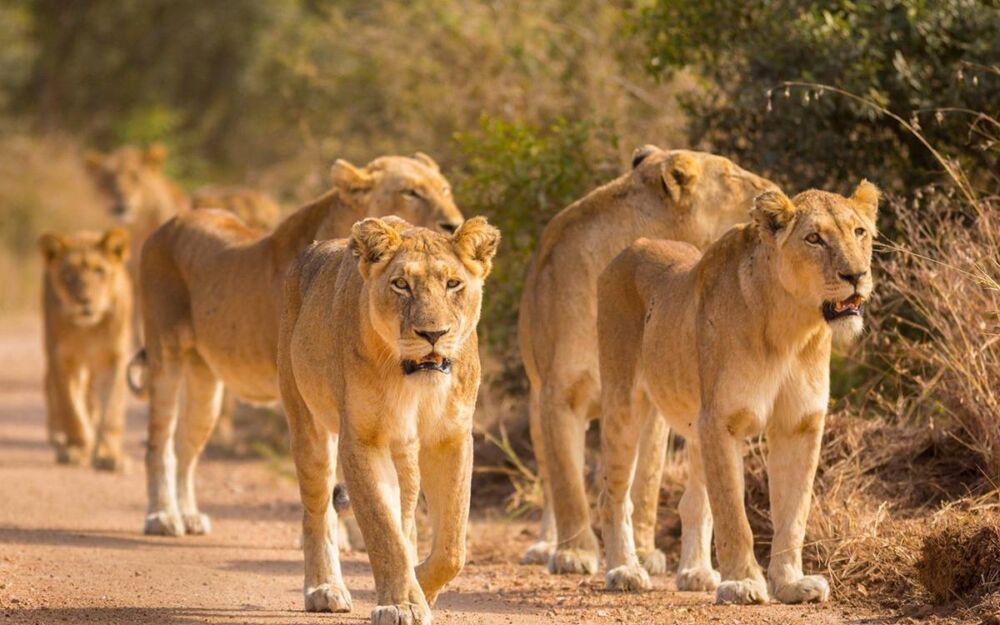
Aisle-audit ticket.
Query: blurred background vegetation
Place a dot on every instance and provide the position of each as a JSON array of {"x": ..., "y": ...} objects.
[{"x": 529, "y": 105}]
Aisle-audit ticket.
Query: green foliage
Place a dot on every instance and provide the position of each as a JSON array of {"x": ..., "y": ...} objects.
[
  {"x": 903, "y": 55},
  {"x": 520, "y": 175}
]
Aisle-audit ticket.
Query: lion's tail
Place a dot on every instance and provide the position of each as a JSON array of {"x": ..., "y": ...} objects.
[
  {"x": 136, "y": 374},
  {"x": 341, "y": 500}
]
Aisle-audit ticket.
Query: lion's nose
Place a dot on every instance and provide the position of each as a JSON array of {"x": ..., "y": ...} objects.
[
  {"x": 431, "y": 336},
  {"x": 852, "y": 278}
]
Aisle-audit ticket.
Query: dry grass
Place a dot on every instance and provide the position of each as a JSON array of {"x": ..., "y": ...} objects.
[{"x": 43, "y": 187}]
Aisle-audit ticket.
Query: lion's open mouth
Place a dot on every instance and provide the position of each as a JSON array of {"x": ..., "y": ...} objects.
[
  {"x": 853, "y": 306},
  {"x": 431, "y": 362}
]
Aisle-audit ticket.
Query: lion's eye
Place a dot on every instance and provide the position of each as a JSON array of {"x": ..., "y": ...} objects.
[
  {"x": 454, "y": 284},
  {"x": 814, "y": 239},
  {"x": 413, "y": 193},
  {"x": 859, "y": 232},
  {"x": 400, "y": 285}
]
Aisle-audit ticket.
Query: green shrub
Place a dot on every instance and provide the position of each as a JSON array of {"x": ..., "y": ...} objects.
[
  {"x": 912, "y": 57},
  {"x": 519, "y": 176}
]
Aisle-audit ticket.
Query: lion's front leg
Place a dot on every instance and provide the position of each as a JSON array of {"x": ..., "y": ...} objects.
[
  {"x": 793, "y": 453},
  {"x": 109, "y": 391},
  {"x": 71, "y": 430},
  {"x": 446, "y": 472},
  {"x": 721, "y": 439},
  {"x": 375, "y": 496}
]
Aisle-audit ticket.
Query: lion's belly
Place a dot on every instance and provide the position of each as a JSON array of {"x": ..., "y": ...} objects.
[{"x": 240, "y": 346}]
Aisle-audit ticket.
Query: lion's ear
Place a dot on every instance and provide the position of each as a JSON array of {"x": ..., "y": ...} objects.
[
  {"x": 93, "y": 161},
  {"x": 51, "y": 246},
  {"x": 373, "y": 241},
  {"x": 426, "y": 160},
  {"x": 114, "y": 244},
  {"x": 680, "y": 174},
  {"x": 476, "y": 243},
  {"x": 772, "y": 211},
  {"x": 643, "y": 153},
  {"x": 155, "y": 156},
  {"x": 866, "y": 198},
  {"x": 349, "y": 177}
]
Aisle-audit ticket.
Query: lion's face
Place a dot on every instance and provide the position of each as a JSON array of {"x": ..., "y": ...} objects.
[
  {"x": 712, "y": 190},
  {"x": 122, "y": 177},
  {"x": 424, "y": 289},
  {"x": 84, "y": 271},
  {"x": 823, "y": 244},
  {"x": 411, "y": 188}
]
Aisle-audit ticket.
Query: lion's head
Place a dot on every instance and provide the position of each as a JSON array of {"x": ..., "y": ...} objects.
[
  {"x": 127, "y": 177},
  {"x": 85, "y": 272},
  {"x": 822, "y": 245},
  {"x": 424, "y": 288},
  {"x": 409, "y": 187},
  {"x": 710, "y": 189}
]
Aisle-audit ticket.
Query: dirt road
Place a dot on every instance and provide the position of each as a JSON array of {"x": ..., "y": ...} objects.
[{"x": 72, "y": 550}]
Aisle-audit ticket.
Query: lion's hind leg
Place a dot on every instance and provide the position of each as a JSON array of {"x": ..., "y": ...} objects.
[
  {"x": 646, "y": 486},
  {"x": 202, "y": 402},
  {"x": 163, "y": 515},
  {"x": 695, "y": 572}
]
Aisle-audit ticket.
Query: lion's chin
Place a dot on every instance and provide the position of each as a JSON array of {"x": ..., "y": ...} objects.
[{"x": 846, "y": 330}]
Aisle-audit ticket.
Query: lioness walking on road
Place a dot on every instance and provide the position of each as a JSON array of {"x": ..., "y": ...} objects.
[
  {"x": 378, "y": 346},
  {"x": 730, "y": 344},
  {"x": 87, "y": 307},
  {"x": 211, "y": 294}
]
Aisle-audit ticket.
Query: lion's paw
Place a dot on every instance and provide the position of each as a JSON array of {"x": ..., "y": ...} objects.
[
  {"x": 567, "y": 561},
  {"x": 197, "y": 524},
  {"x": 653, "y": 560},
  {"x": 328, "y": 598},
  {"x": 627, "y": 578},
  {"x": 112, "y": 463},
  {"x": 741, "y": 591},
  {"x": 538, "y": 553},
  {"x": 807, "y": 589},
  {"x": 402, "y": 614},
  {"x": 697, "y": 580},
  {"x": 75, "y": 455},
  {"x": 164, "y": 524}
]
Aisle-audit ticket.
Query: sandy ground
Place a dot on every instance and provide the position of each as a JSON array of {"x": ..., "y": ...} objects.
[{"x": 72, "y": 551}]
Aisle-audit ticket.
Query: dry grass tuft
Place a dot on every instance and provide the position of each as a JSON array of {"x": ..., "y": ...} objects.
[{"x": 960, "y": 558}]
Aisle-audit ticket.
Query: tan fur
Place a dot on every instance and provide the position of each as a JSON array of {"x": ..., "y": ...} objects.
[
  {"x": 677, "y": 194},
  {"x": 353, "y": 313},
  {"x": 87, "y": 307},
  {"x": 256, "y": 209},
  {"x": 726, "y": 345},
  {"x": 211, "y": 297}
]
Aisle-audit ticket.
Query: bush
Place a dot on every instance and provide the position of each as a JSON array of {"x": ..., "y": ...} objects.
[
  {"x": 520, "y": 175},
  {"x": 902, "y": 55}
]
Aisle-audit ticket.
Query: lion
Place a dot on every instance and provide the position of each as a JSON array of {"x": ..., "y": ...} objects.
[
  {"x": 211, "y": 299},
  {"x": 725, "y": 345},
  {"x": 378, "y": 345},
  {"x": 87, "y": 310},
  {"x": 141, "y": 197},
  {"x": 677, "y": 194}
]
